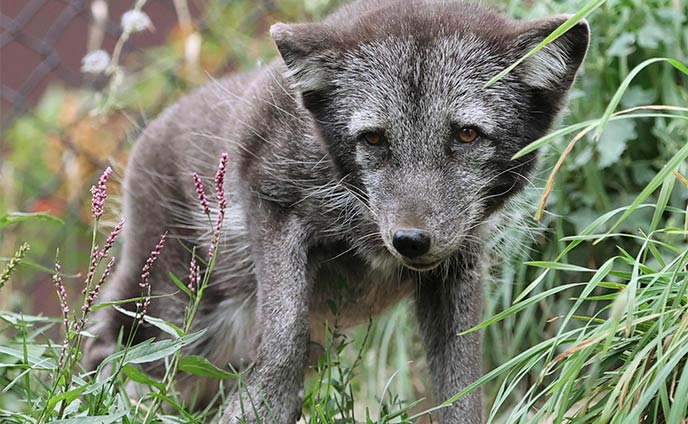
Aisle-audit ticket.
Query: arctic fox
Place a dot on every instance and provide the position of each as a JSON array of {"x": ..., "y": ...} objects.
[{"x": 363, "y": 166}]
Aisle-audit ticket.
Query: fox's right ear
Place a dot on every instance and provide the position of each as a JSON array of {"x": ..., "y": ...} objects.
[
  {"x": 303, "y": 49},
  {"x": 554, "y": 67}
]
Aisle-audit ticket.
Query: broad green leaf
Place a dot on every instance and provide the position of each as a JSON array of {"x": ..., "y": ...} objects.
[
  {"x": 614, "y": 140},
  {"x": 67, "y": 397},
  {"x": 34, "y": 360},
  {"x": 160, "y": 349},
  {"x": 198, "y": 365},
  {"x": 141, "y": 377},
  {"x": 163, "y": 325},
  {"x": 100, "y": 419},
  {"x": 623, "y": 45},
  {"x": 127, "y": 301},
  {"x": 150, "y": 351},
  {"x": 16, "y": 217},
  {"x": 651, "y": 34},
  {"x": 181, "y": 285},
  {"x": 15, "y": 318}
]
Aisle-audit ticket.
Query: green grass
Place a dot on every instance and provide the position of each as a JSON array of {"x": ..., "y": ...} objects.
[{"x": 587, "y": 312}]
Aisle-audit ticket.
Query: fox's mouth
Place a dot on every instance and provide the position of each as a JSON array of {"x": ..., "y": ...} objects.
[
  {"x": 414, "y": 265},
  {"x": 421, "y": 266}
]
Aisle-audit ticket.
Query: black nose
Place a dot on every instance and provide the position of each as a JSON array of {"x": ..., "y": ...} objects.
[{"x": 411, "y": 242}]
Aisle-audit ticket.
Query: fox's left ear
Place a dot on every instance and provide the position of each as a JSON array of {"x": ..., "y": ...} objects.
[
  {"x": 304, "y": 49},
  {"x": 554, "y": 67}
]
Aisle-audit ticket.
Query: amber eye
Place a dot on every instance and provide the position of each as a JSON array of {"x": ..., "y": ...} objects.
[
  {"x": 467, "y": 134},
  {"x": 374, "y": 139}
]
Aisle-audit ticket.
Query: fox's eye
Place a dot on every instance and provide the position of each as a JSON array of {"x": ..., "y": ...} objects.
[
  {"x": 373, "y": 138},
  {"x": 467, "y": 135}
]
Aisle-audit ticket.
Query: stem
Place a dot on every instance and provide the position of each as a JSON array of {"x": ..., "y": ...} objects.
[
  {"x": 189, "y": 315},
  {"x": 113, "y": 67},
  {"x": 72, "y": 351},
  {"x": 120, "y": 364}
]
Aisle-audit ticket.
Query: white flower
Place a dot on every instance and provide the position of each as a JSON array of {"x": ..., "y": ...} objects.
[
  {"x": 95, "y": 62},
  {"x": 135, "y": 21}
]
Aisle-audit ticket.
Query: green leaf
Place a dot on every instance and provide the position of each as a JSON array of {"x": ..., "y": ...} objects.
[
  {"x": 141, "y": 377},
  {"x": 181, "y": 285},
  {"x": 614, "y": 102},
  {"x": 29, "y": 264},
  {"x": 519, "y": 307},
  {"x": 165, "y": 326},
  {"x": 623, "y": 45},
  {"x": 559, "y": 266},
  {"x": 637, "y": 96},
  {"x": 127, "y": 301},
  {"x": 160, "y": 349},
  {"x": 184, "y": 416},
  {"x": 198, "y": 365},
  {"x": 679, "y": 408},
  {"x": 650, "y": 35},
  {"x": 150, "y": 351},
  {"x": 15, "y": 318},
  {"x": 589, "y": 125},
  {"x": 659, "y": 378},
  {"x": 33, "y": 360},
  {"x": 15, "y": 217},
  {"x": 99, "y": 419},
  {"x": 68, "y": 397},
  {"x": 614, "y": 141},
  {"x": 665, "y": 172},
  {"x": 162, "y": 325},
  {"x": 662, "y": 202}
]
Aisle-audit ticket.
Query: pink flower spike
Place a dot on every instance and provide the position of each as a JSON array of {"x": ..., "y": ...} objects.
[
  {"x": 99, "y": 193},
  {"x": 61, "y": 293},
  {"x": 143, "y": 306},
  {"x": 200, "y": 190},
  {"x": 145, "y": 275},
  {"x": 221, "y": 203},
  {"x": 145, "y": 272},
  {"x": 111, "y": 239},
  {"x": 220, "y": 181},
  {"x": 95, "y": 260},
  {"x": 62, "y": 296},
  {"x": 194, "y": 274},
  {"x": 216, "y": 233},
  {"x": 93, "y": 295}
]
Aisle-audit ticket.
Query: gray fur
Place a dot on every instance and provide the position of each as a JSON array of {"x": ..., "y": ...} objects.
[{"x": 313, "y": 208}]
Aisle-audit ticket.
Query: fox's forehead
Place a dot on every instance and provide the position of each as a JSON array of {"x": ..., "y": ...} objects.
[{"x": 392, "y": 79}]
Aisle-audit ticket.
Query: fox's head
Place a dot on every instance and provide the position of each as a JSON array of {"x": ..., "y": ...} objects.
[{"x": 397, "y": 90}]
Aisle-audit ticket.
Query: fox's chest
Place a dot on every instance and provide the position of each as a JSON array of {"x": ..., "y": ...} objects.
[{"x": 350, "y": 290}]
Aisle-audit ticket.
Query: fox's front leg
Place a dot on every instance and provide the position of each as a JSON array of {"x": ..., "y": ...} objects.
[
  {"x": 271, "y": 393},
  {"x": 446, "y": 307}
]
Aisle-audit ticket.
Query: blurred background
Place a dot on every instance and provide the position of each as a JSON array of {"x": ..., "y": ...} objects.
[{"x": 61, "y": 125}]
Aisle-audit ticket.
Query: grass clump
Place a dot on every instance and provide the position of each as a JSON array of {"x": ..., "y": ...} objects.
[{"x": 627, "y": 361}]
